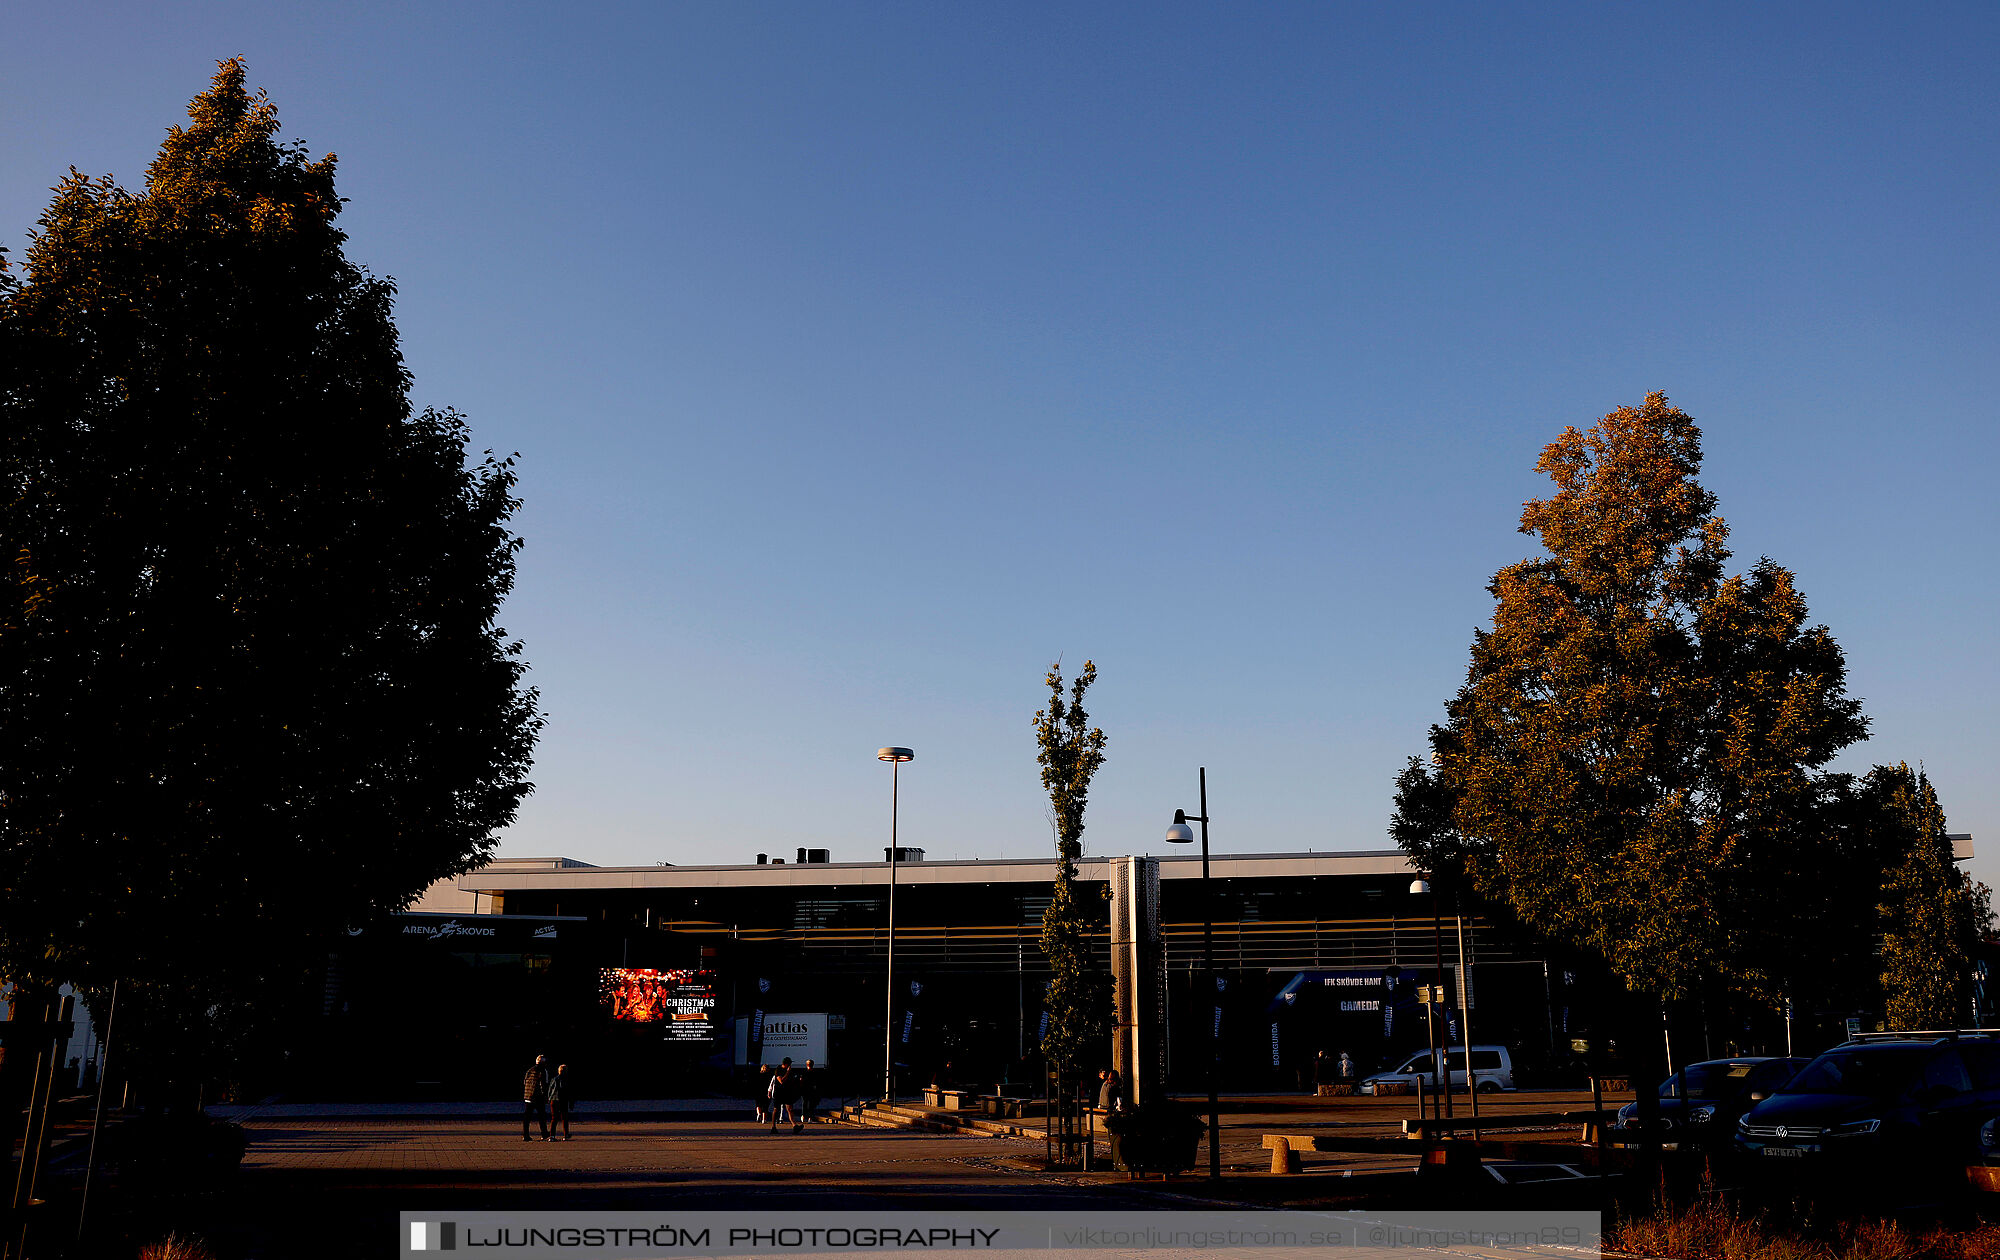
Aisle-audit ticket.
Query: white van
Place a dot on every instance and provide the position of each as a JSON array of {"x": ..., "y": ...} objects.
[{"x": 1492, "y": 1064}]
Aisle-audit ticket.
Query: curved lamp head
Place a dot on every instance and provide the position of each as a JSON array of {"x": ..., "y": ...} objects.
[
  {"x": 1179, "y": 832},
  {"x": 1419, "y": 886},
  {"x": 894, "y": 754}
]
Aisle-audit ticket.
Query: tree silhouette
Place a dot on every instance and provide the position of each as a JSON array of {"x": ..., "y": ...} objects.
[{"x": 251, "y": 686}]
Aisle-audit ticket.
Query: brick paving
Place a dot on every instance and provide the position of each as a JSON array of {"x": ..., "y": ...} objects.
[
  {"x": 674, "y": 1157},
  {"x": 333, "y": 1187},
  {"x": 324, "y": 1186}
]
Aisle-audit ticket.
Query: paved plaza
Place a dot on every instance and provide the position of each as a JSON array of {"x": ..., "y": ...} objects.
[{"x": 349, "y": 1175}]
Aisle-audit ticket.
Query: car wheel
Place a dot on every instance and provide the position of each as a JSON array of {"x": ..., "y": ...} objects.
[{"x": 1489, "y": 1087}]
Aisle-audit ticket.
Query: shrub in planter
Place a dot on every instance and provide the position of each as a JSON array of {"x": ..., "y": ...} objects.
[{"x": 1158, "y": 1136}]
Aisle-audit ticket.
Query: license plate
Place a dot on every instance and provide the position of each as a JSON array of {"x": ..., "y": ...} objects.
[{"x": 1785, "y": 1152}]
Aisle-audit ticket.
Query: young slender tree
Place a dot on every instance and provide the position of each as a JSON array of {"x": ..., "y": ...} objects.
[
  {"x": 251, "y": 686},
  {"x": 1070, "y": 751},
  {"x": 1932, "y": 913},
  {"x": 1631, "y": 764}
]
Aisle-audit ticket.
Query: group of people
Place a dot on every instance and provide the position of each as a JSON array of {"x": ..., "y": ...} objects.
[
  {"x": 545, "y": 1098},
  {"x": 1328, "y": 1071},
  {"x": 791, "y": 1092}
]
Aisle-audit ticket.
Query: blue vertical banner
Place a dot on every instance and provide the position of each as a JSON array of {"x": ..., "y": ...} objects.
[{"x": 1221, "y": 987}]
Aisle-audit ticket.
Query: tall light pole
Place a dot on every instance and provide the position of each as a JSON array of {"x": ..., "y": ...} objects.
[
  {"x": 895, "y": 757},
  {"x": 1180, "y": 833},
  {"x": 1465, "y": 1015},
  {"x": 1418, "y": 887}
]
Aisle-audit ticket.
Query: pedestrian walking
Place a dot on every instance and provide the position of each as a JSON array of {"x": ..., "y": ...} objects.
[
  {"x": 809, "y": 1087},
  {"x": 762, "y": 1098},
  {"x": 559, "y": 1100},
  {"x": 782, "y": 1087},
  {"x": 1322, "y": 1073},
  {"x": 535, "y": 1098}
]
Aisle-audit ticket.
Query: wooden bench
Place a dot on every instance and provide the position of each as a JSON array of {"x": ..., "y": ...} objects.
[
  {"x": 1435, "y": 1157},
  {"x": 951, "y": 1099},
  {"x": 1592, "y": 1122},
  {"x": 1001, "y": 1106}
]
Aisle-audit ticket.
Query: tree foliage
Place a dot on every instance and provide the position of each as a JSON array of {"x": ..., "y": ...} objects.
[
  {"x": 1630, "y": 765},
  {"x": 1932, "y": 913},
  {"x": 251, "y": 686},
  {"x": 1070, "y": 751}
]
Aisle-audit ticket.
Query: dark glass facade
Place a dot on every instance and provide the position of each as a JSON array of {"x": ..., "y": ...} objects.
[{"x": 970, "y": 975}]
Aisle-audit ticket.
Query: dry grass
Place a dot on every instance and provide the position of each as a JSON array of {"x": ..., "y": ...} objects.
[
  {"x": 1711, "y": 1232},
  {"x": 175, "y": 1247}
]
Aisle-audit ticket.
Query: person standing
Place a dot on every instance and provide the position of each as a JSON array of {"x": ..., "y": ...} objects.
[
  {"x": 1346, "y": 1068},
  {"x": 762, "y": 1097},
  {"x": 535, "y": 1098},
  {"x": 1322, "y": 1073},
  {"x": 559, "y": 1100},
  {"x": 1110, "y": 1094},
  {"x": 808, "y": 1091}
]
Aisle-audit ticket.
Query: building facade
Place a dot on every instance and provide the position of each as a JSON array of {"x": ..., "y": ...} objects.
[{"x": 1311, "y": 951}]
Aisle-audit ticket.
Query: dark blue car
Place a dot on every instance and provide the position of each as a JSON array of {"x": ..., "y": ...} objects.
[
  {"x": 1700, "y": 1104},
  {"x": 1888, "y": 1109}
]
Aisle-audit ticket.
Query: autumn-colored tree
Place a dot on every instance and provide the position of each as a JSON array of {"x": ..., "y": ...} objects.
[
  {"x": 1932, "y": 913},
  {"x": 1630, "y": 765},
  {"x": 251, "y": 688},
  {"x": 1070, "y": 751}
]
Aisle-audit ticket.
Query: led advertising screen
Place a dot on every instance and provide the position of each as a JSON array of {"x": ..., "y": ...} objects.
[{"x": 681, "y": 1002}]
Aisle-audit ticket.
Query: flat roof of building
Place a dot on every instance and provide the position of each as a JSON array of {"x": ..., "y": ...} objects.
[{"x": 534, "y": 874}]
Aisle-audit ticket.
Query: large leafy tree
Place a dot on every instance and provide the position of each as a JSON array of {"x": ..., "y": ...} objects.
[
  {"x": 251, "y": 686},
  {"x": 1631, "y": 765},
  {"x": 1932, "y": 913},
  {"x": 1070, "y": 751}
]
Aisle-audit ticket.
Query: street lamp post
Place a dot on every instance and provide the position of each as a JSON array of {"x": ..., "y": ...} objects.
[
  {"x": 895, "y": 757},
  {"x": 1180, "y": 833},
  {"x": 1465, "y": 1015},
  {"x": 1418, "y": 887}
]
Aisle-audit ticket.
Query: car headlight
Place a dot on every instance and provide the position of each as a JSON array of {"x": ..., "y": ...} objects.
[
  {"x": 1625, "y": 1114},
  {"x": 1743, "y": 1123},
  {"x": 1700, "y": 1115},
  {"x": 1988, "y": 1137},
  {"x": 1853, "y": 1128}
]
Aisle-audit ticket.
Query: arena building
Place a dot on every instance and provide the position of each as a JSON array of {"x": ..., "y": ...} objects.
[{"x": 680, "y": 972}]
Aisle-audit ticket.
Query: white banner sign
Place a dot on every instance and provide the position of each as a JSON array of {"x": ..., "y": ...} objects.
[{"x": 794, "y": 1035}]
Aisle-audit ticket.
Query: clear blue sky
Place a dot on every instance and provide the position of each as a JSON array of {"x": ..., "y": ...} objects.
[{"x": 864, "y": 359}]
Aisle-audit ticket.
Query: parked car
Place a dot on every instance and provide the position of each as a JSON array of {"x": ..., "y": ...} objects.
[
  {"x": 1717, "y": 1093},
  {"x": 1889, "y": 1109},
  {"x": 1984, "y": 1172},
  {"x": 1493, "y": 1065}
]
